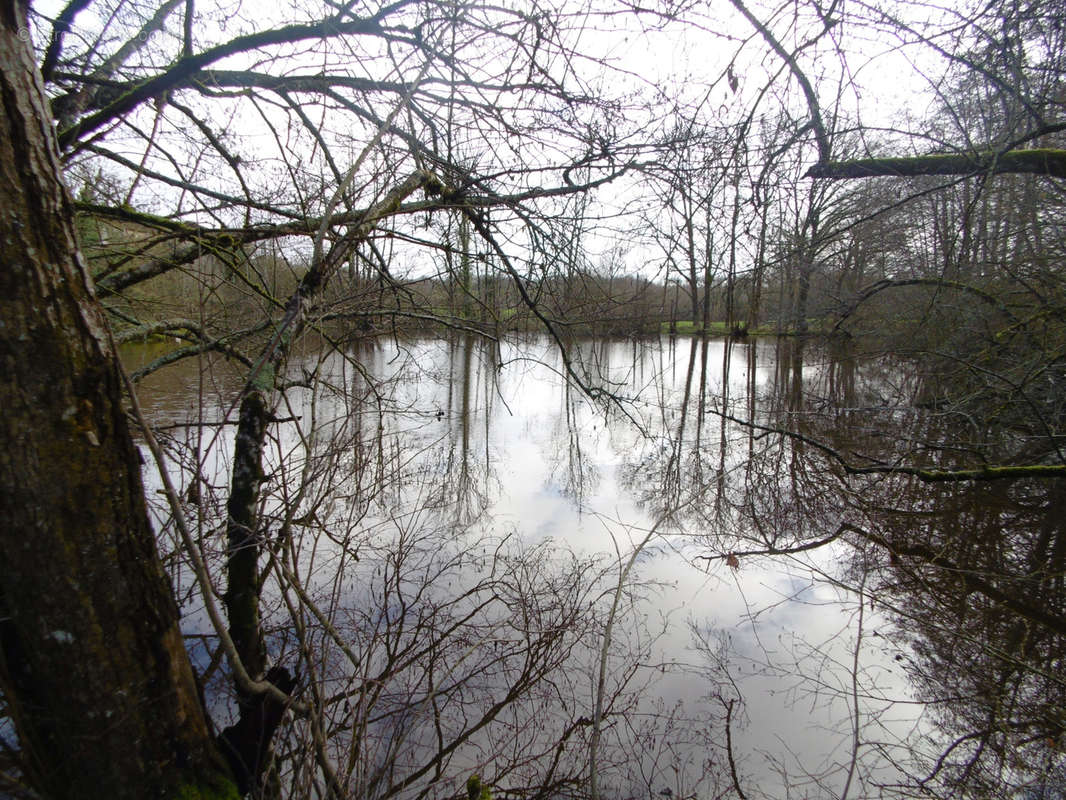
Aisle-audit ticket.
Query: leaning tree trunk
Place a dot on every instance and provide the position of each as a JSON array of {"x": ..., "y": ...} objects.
[
  {"x": 244, "y": 539},
  {"x": 247, "y": 743},
  {"x": 92, "y": 662}
]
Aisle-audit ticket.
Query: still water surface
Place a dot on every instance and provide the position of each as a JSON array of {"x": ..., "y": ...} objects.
[{"x": 490, "y": 438}]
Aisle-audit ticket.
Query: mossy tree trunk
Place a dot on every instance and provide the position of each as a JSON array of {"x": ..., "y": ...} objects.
[
  {"x": 92, "y": 663},
  {"x": 247, "y": 742},
  {"x": 1038, "y": 161}
]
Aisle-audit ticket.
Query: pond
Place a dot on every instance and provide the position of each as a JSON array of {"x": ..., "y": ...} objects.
[{"x": 645, "y": 486}]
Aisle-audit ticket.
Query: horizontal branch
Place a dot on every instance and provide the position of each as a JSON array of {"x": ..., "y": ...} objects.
[
  {"x": 204, "y": 241},
  {"x": 184, "y": 70},
  {"x": 1044, "y": 161},
  {"x": 156, "y": 328},
  {"x": 1012, "y": 472},
  {"x": 210, "y": 79},
  {"x": 203, "y": 344},
  {"x": 193, "y": 188},
  {"x": 974, "y": 579},
  {"x": 924, "y": 474}
]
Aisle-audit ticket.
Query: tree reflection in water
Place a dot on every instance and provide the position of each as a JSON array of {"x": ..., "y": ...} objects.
[
  {"x": 967, "y": 575},
  {"x": 447, "y": 505}
]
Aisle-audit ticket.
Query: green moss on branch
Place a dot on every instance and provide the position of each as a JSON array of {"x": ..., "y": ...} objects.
[{"x": 1042, "y": 161}]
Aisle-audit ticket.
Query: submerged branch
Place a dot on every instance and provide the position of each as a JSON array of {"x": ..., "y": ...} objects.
[{"x": 924, "y": 474}]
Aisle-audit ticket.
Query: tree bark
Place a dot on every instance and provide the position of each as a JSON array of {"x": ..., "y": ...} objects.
[{"x": 92, "y": 662}]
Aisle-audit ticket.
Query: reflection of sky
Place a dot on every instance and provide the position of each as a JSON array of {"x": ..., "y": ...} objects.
[
  {"x": 790, "y": 663},
  {"x": 532, "y": 459}
]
